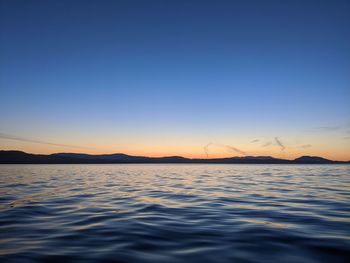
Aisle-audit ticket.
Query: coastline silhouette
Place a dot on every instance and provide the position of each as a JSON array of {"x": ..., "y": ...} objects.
[{"x": 20, "y": 157}]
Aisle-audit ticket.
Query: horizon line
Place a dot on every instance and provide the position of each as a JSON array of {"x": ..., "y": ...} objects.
[{"x": 178, "y": 156}]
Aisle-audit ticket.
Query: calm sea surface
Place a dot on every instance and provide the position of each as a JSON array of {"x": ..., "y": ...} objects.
[{"x": 174, "y": 213}]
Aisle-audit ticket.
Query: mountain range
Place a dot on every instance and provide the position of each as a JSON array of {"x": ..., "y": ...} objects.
[{"x": 19, "y": 157}]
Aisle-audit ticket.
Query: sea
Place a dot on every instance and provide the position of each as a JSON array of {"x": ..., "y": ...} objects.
[{"x": 174, "y": 213}]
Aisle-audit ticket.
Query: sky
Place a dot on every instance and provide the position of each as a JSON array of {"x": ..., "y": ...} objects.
[{"x": 190, "y": 78}]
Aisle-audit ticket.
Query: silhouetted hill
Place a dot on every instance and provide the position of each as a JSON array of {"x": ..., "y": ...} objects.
[
  {"x": 245, "y": 159},
  {"x": 312, "y": 159},
  {"x": 19, "y": 157},
  {"x": 22, "y": 157},
  {"x": 115, "y": 156}
]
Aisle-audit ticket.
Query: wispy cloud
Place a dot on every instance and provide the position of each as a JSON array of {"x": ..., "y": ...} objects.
[
  {"x": 254, "y": 141},
  {"x": 305, "y": 146},
  {"x": 329, "y": 128},
  {"x": 280, "y": 144},
  {"x": 266, "y": 144},
  {"x": 227, "y": 147},
  {"x": 23, "y": 139}
]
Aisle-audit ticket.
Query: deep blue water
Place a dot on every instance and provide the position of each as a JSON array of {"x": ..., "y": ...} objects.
[{"x": 174, "y": 213}]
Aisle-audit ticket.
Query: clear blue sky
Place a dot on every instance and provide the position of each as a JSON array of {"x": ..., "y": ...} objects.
[{"x": 143, "y": 75}]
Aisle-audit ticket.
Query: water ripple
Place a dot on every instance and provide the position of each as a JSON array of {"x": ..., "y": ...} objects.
[{"x": 174, "y": 213}]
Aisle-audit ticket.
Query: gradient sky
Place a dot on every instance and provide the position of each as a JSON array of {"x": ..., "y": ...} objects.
[{"x": 168, "y": 77}]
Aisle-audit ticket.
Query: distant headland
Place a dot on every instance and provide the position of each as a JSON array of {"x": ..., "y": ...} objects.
[{"x": 19, "y": 157}]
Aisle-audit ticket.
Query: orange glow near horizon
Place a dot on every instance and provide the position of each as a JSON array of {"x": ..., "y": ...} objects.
[
  {"x": 338, "y": 152},
  {"x": 247, "y": 78}
]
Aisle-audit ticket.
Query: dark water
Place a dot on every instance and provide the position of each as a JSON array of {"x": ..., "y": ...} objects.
[{"x": 174, "y": 213}]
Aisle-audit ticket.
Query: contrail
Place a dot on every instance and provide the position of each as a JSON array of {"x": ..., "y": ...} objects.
[
  {"x": 234, "y": 149},
  {"x": 206, "y": 149},
  {"x": 279, "y": 143},
  {"x": 227, "y": 147},
  {"x": 22, "y": 139}
]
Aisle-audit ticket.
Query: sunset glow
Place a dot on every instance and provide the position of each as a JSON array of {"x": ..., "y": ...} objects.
[{"x": 154, "y": 81}]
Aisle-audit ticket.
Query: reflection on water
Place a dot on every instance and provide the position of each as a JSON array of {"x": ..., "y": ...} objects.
[{"x": 174, "y": 213}]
